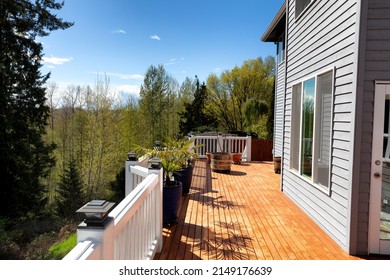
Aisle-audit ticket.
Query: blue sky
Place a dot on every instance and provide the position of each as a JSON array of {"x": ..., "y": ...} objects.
[{"x": 122, "y": 38}]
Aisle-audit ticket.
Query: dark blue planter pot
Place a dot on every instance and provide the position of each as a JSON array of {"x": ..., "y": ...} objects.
[
  {"x": 171, "y": 202},
  {"x": 185, "y": 177}
]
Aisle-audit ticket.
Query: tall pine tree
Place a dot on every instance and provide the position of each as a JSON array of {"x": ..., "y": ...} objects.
[
  {"x": 70, "y": 190},
  {"x": 24, "y": 157},
  {"x": 195, "y": 118}
]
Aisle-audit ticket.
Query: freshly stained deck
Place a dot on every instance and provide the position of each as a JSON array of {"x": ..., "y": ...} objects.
[{"x": 244, "y": 215}]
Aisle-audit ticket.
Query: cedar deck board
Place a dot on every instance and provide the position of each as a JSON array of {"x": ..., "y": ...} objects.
[{"x": 244, "y": 215}]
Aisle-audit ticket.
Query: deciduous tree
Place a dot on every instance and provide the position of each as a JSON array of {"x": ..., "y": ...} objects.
[{"x": 230, "y": 93}]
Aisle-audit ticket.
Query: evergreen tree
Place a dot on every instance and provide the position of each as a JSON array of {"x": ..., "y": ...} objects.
[
  {"x": 118, "y": 187},
  {"x": 24, "y": 157},
  {"x": 70, "y": 191},
  {"x": 194, "y": 117}
]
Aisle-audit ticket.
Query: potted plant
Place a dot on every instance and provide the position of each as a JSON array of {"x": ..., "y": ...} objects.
[
  {"x": 236, "y": 158},
  {"x": 175, "y": 156},
  {"x": 185, "y": 158},
  {"x": 277, "y": 164},
  {"x": 172, "y": 190}
]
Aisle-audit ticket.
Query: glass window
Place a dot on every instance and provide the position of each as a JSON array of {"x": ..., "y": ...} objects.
[
  {"x": 307, "y": 127},
  {"x": 280, "y": 49},
  {"x": 311, "y": 118},
  {"x": 300, "y": 5}
]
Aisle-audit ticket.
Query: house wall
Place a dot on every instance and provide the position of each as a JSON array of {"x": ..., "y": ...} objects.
[
  {"x": 324, "y": 38},
  {"x": 279, "y": 109},
  {"x": 376, "y": 61}
]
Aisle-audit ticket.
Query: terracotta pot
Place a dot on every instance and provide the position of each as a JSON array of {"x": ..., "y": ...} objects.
[{"x": 236, "y": 158}]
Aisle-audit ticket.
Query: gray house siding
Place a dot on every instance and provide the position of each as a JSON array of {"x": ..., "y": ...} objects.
[
  {"x": 279, "y": 110},
  {"x": 376, "y": 61},
  {"x": 324, "y": 38}
]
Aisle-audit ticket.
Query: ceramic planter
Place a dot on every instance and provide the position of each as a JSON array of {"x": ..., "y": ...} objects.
[
  {"x": 171, "y": 202},
  {"x": 185, "y": 177}
]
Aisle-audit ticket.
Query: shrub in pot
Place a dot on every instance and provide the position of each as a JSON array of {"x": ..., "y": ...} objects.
[
  {"x": 185, "y": 157},
  {"x": 172, "y": 192},
  {"x": 176, "y": 159}
]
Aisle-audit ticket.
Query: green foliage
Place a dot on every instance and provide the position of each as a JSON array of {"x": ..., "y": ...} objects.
[
  {"x": 255, "y": 120},
  {"x": 60, "y": 250},
  {"x": 27, "y": 237},
  {"x": 174, "y": 155},
  {"x": 117, "y": 187},
  {"x": 194, "y": 117},
  {"x": 229, "y": 94},
  {"x": 70, "y": 192},
  {"x": 158, "y": 100},
  {"x": 25, "y": 158},
  {"x": 253, "y": 109}
]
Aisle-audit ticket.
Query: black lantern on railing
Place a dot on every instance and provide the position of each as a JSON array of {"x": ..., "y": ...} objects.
[
  {"x": 155, "y": 163},
  {"x": 96, "y": 212},
  {"x": 132, "y": 156},
  {"x": 157, "y": 145}
]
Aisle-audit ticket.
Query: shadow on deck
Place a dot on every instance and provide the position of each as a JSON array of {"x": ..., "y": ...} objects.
[{"x": 244, "y": 216}]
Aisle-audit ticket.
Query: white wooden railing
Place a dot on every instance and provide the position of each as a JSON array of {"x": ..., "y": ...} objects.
[
  {"x": 134, "y": 227},
  {"x": 222, "y": 143}
]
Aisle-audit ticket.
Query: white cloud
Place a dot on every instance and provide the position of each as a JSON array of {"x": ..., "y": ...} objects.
[
  {"x": 119, "y": 31},
  {"x": 126, "y": 76},
  {"x": 132, "y": 89},
  {"x": 56, "y": 60},
  {"x": 174, "y": 61},
  {"x": 155, "y": 37}
]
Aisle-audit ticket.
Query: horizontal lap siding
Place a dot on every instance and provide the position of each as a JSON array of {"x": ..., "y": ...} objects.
[
  {"x": 279, "y": 110},
  {"x": 377, "y": 67},
  {"x": 321, "y": 39}
]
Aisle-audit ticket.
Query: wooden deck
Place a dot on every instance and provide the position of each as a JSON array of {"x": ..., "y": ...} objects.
[{"x": 244, "y": 215}]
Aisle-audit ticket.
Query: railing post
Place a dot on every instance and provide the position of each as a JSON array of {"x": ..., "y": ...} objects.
[
  {"x": 219, "y": 144},
  {"x": 249, "y": 148},
  {"x": 156, "y": 168},
  {"x": 132, "y": 160},
  {"x": 97, "y": 226}
]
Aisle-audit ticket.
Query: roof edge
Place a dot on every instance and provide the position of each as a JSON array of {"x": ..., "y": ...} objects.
[{"x": 274, "y": 23}]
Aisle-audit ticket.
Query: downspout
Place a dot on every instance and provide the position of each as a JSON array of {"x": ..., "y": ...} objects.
[{"x": 285, "y": 91}]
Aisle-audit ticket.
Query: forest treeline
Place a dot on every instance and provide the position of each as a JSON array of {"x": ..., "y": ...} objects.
[{"x": 95, "y": 129}]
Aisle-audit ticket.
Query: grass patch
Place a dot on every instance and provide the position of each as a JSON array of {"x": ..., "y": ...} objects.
[{"x": 59, "y": 250}]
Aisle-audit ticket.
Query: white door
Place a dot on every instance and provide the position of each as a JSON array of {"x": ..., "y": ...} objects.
[{"x": 379, "y": 231}]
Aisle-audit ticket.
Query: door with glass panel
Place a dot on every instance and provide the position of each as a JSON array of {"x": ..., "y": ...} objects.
[{"x": 379, "y": 238}]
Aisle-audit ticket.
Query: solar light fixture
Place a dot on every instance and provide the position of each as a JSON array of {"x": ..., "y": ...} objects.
[{"x": 96, "y": 212}]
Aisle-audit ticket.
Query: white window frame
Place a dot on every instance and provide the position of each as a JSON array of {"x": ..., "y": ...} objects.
[{"x": 316, "y": 153}]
